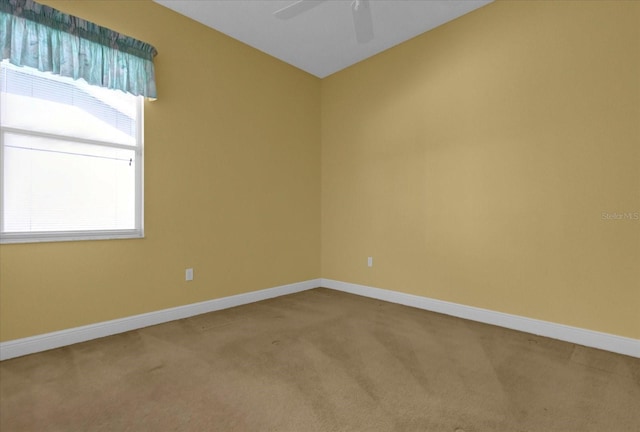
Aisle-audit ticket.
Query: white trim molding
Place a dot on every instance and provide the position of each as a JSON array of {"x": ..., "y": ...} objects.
[
  {"x": 589, "y": 338},
  {"x": 47, "y": 341}
]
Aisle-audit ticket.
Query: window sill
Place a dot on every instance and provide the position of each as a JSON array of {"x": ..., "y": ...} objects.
[{"x": 46, "y": 237}]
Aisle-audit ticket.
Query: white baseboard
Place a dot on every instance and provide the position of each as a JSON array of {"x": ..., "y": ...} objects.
[
  {"x": 30, "y": 345},
  {"x": 590, "y": 338}
]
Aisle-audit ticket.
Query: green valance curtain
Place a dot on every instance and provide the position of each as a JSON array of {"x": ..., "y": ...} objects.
[{"x": 44, "y": 38}]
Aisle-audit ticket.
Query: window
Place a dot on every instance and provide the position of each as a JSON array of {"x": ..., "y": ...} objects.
[{"x": 71, "y": 159}]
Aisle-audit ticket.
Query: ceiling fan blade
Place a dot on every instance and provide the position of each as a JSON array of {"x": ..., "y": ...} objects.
[
  {"x": 297, "y": 8},
  {"x": 362, "y": 21}
]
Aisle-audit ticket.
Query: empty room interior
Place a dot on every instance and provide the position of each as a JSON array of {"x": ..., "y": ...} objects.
[{"x": 444, "y": 236}]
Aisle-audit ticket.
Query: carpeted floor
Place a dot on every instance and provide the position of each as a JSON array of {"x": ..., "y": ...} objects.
[{"x": 321, "y": 360}]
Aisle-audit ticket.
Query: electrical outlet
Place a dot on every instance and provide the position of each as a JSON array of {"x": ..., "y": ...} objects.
[
  {"x": 188, "y": 274},
  {"x": 370, "y": 261}
]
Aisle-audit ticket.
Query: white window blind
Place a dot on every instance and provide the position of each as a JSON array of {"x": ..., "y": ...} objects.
[{"x": 71, "y": 154}]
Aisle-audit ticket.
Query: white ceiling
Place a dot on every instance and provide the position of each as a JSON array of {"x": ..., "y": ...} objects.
[{"x": 321, "y": 40}]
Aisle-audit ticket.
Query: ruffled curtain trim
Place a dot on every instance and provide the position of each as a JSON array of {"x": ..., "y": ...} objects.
[{"x": 44, "y": 38}]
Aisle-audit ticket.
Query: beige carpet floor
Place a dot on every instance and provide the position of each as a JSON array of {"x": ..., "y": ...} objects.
[{"x": 321, "y": 360}]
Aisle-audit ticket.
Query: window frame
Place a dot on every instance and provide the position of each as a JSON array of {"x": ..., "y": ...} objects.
[{"x": 79, "y": 235}]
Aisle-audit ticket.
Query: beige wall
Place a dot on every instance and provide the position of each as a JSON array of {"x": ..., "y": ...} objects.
[
  {"x": 232, "y": 186},
  {"x": 474, "y": 164}
]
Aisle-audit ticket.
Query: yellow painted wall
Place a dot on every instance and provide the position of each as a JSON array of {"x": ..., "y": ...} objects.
[
  {"x": 474, "y": 164},
  {"x": 232, "y": 186}
]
